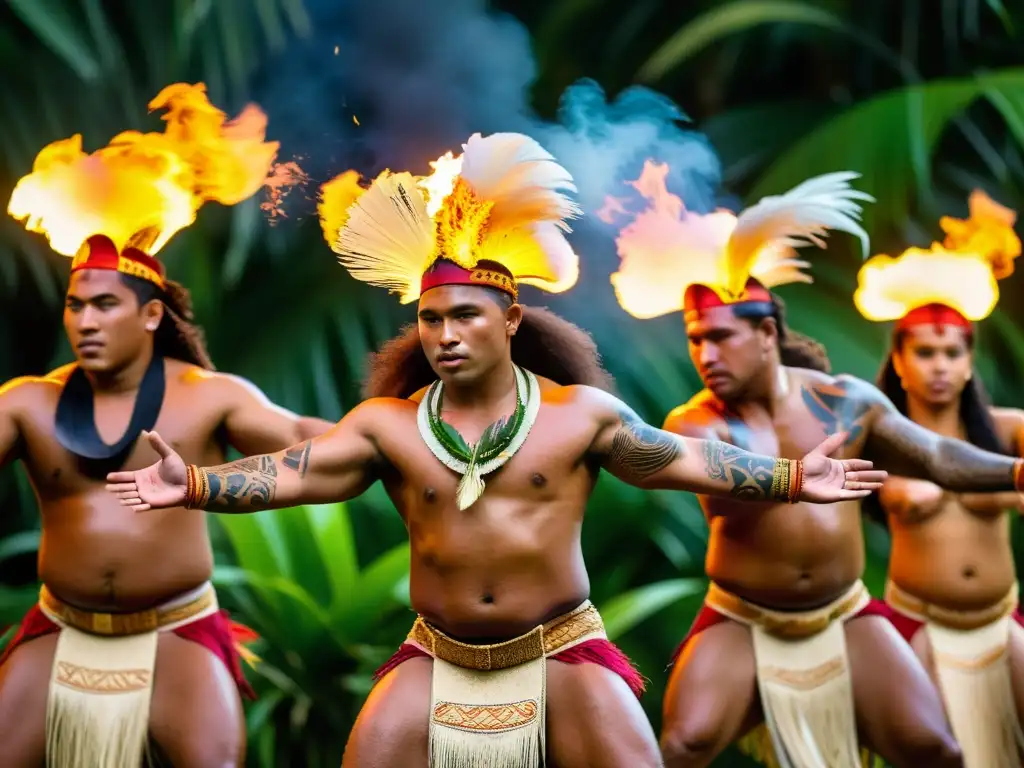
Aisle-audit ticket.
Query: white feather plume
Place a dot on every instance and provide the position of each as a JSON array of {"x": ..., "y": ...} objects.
[
  {"x": 388, "y": 238},
  {"x": 797, "y": 218},
  {"x": 521, "y": 178}
]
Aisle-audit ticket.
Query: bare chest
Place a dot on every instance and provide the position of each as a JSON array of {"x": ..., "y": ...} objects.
[
  {"x": 187, "y": 424},
  {"x": 550, "y": 466}
]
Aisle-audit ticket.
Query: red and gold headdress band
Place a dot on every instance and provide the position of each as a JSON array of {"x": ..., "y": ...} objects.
[
  {"x": 952, "y": 283},
  {"x": 99, "y": 252},
  {"x": 143, "y": 188},
  {"x": 494, "y": 216},
  {"x": 675, "y": 260}
]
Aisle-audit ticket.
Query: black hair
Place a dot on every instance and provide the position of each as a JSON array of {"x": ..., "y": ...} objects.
[
  {"x": 177, "y": 336},
  {"x": 975, "y": 411},
  {"x": 796, "y": 350},
  {"x": 544, "y": 343}
]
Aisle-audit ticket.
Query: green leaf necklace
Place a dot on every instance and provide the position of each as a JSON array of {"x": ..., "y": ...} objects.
[{"x": 498, "y": 443}]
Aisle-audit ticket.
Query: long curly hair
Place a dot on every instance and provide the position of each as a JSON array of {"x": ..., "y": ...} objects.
[
  {"x": 796, "y": 350},
  {"x": 545, "y": 343},
  {"x": 177, "y": 337}
]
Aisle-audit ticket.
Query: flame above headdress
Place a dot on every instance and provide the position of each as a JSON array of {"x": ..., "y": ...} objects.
[
  {"x": 142, "y": 188},
  {"x": 501, "y": 202},
  {"x": 959, "y": 274},
  {"x": 666, "y": 249}
]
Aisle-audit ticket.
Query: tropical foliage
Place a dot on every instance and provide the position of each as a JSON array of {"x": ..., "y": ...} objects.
[{"x": 925, "y": 100}]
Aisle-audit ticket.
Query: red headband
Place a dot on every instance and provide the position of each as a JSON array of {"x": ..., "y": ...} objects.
[
  {"x": 699, "y": 298},
  {"x": 99, "y": 252},
  {"x": 933, "y": 314},
  {"x": 490, "y": 274}
]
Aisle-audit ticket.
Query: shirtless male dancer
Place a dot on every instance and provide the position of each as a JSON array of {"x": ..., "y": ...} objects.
[
  {"x": 127, "y": 632},
  {"x": 951, "y": 569},
  {"x": 482, "y": 383},
  {"x": 769, "y": 644}
]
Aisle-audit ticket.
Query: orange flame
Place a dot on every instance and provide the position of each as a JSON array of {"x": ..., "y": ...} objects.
[
  {"x": 143, "y": 188},
  {"x": 441, "y": 181},
  {"x": 665, "y": 248},
  {"x": 336, "y": 197},
  {"x": 961, "y": 273}
]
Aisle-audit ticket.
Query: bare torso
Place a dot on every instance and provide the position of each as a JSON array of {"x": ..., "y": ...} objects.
[
  {"x": 96, "y": 554},
  {"x": 513, "y": 559},
  {"x": 785, "y": 556},
  {"x": 951, "y": 549}
]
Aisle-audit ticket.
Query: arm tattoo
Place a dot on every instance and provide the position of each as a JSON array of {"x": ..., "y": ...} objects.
[
  {"x": 749, "y": 474},
  {"x": 640, "y": 450},
  {"x": 297, "y": 458},
  {"x": 952, "y": 464},
  {"x": 247, "y": 483},
  {"x": 836, "y": 408}
]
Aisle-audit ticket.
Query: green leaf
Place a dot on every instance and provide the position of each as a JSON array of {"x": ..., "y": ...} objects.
[
  {"x": 50, "y": 22},
  {"x": 19, "y": 544},
  {"x": 336, "y": 547},
  {"x": 375, "y": 593},
  {"x": 889, "y": 140},
  {"x": 725, "y": 20},
  {"x": 626, "y": 611},
  {"x": 455, "y": 437}
]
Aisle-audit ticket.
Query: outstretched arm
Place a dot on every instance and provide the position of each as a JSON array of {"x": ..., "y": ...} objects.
[
  {"x": 256, "y": 425},
  {"x": 336, "y": 466},
  {"x": 651, "y": 458},
  {"x": 908, "y": 449}
]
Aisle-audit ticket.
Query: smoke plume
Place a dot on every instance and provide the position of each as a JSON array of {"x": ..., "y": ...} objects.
[{"x": 396, "y": 83}]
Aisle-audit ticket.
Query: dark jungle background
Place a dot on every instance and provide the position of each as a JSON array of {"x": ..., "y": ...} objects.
[{"x": 924, "y": 98}]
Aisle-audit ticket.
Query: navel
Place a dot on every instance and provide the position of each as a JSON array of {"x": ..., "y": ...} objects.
[
  {"x": 56, "y": 474},
  {"x": 429, "y": 495},
  {"x": 969, "y": 572},
  {"x": 538, "y": 480},
  {"x": 487, "y": 599}
]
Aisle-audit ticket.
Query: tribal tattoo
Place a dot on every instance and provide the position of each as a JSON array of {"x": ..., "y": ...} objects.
[
  {"x": 837, "y": 408},
  {"x": 749, "y": 474},
  {"x": 640, "y": 450},
  {"x": 297, "y": 458},
  {"x": 251, "y": 483}
]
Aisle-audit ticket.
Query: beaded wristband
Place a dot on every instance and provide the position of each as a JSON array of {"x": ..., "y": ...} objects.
[
  {"x": 787, "y": 480},
  {"x": 197, "y": 487}
]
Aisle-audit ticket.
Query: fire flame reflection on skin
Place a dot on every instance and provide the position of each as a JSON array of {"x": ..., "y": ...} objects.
[{"x": 142, "y": 188}]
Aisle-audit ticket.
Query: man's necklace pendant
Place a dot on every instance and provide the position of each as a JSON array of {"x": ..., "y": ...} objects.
[{"x": 498, "y": 443}]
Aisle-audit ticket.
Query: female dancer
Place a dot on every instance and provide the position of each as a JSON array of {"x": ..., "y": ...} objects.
[{"x": 951, "y": 568}]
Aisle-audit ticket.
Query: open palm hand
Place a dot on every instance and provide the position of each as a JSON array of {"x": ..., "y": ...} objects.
[
  {"x": 157, "y": 486},
  {"x": 828, "y": 480}
]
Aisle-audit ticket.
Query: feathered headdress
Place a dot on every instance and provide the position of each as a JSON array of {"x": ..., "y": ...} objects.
[
  {"x": 954, "y": 282},
  {"x": 494, "y": 216},
  {"x": 675, "y": 260}
]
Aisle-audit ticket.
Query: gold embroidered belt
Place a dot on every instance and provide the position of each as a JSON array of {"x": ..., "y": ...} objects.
[
  {"x": 918, "y": 609},
  {"x": 790, "y": 625},
  {"x": 540, "y": 642},
  {"x": 126, "y": 624}
]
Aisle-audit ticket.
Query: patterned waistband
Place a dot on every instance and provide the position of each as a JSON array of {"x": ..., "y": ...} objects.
[
  {"x": 919, "y": 610},
  {"x": 181, "y": 609},
  {"x": 581, "y": 623},
  {"x": 788, "y": 624}
]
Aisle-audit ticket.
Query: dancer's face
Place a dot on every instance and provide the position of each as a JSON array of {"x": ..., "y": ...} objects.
[
  {"x": 729, "y": 352},
  {"x": 465, "y": 331},
  {"x": 934, "y": 363},
  {"x": 106, "y": 326}
]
